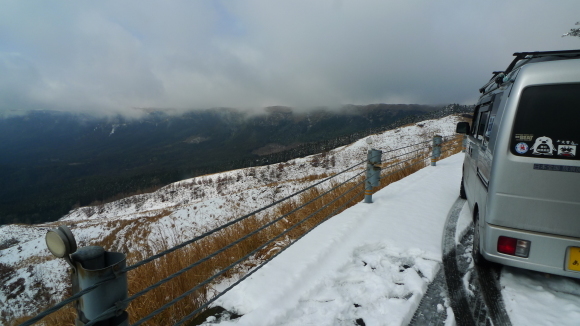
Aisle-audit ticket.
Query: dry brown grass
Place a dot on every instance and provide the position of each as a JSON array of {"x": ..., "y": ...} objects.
[
  {"x": 65, "y": 316},
  {"x": 452, "y": 146},
  {"x": 132, "y": 230},
  {"x": 312, "y": 177},
  {"x": 153, "y": 272}
]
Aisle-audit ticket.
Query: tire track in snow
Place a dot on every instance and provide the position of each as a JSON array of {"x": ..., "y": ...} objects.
[
  {"x": 484, "y": 304},
  {"x": 453, "y": 276},
  {"x": 488, "y": 278},
  {"x": 429, "y": 311}
]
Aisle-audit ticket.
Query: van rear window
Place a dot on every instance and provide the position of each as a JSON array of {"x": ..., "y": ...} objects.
[{"x": 547, "y": 123}]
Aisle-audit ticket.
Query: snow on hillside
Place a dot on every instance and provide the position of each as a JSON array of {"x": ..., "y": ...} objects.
[
  {"x": 182, "y": 210},
  {"x": 372, "y": 263}
]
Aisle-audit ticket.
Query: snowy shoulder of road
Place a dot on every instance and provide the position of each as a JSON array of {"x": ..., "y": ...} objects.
[
  {"x": 533, "y": 298},
  {"x": 372, "y": 263}
]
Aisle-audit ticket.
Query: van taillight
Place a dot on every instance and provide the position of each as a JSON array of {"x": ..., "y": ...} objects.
[{"x": 513, "y": 246}]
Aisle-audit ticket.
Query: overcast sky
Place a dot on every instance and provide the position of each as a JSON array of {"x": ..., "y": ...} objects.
[{"x": 114, "y": 56}]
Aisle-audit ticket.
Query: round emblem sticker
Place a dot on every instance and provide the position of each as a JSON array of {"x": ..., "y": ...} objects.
[{"x": 522, "y": 148}]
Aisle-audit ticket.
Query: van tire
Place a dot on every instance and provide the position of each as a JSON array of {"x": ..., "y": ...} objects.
[
  {"x": 476, "y": 252},
  {"x": 462, "y": 193}
]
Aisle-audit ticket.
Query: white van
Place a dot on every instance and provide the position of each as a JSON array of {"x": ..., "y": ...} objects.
[{"x": 521, "y": 174}]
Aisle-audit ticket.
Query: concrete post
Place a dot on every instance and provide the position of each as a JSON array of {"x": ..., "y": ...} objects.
[
  {"x": 93, "y": 265},
  {"x": 373, "y": 173},
  {"x": 437, "y": 140}
]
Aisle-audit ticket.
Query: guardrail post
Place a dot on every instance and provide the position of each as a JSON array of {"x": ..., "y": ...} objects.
[
  {"x": 373, "y": 174},
  {"x": 437, "y": 140},
  {"x": 92, "y": 265}
]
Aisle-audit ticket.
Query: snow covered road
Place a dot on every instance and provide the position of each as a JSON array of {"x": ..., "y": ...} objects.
[{"x": 371, "y": 263}]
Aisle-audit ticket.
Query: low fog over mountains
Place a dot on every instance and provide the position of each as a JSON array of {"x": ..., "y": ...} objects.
[{"x": 53, "y": 161}]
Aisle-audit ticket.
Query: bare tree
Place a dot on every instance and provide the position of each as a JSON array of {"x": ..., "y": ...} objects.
[{"x": 573, "y": 31}]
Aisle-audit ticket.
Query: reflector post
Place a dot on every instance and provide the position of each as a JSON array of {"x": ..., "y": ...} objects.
[
  {"x": 61, "y": 243},
  {"x": 55, "y": 243}
]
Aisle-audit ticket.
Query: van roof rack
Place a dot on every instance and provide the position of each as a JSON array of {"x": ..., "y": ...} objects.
[
  {"x": 538, "y": 54},
  {"x": 529, "y": 55}
]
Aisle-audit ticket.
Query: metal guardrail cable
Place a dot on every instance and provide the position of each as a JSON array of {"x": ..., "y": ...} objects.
[
  {"x": 408, "y": 166},
  {"x": 453, "y": 139},
  {"x": 103, "y": 316},
  {"x": 205, "y": 305},
  {"x": 210, "y": 232},
  {"x": 197, "y": 287},
  {"x": 451, "y": 143},
  {"x": 401, "y": 162},
  {"x": 397, "y": 149},
  {"x": 77, "y": 295},
  {"x": 420, "y": 149},
  {"x": 217, "y": 252},
  {"x": 183, "y": 244},
  {"x": 63, "y": 303},
  {"x": 404, "y": 154},
  {"x": 449, "y": 147}
]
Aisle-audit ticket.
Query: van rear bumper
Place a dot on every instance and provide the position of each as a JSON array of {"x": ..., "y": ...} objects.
[{"x": 548, "y": 253}]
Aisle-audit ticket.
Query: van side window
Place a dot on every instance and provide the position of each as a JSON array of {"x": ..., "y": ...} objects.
[
  {"x": 475, "y": 121},
  {"x": 494, "y": 111},
  {"x": 480, "y": 121},
  {"x": 481, "y": 127},
  {"x": 547, "y": 122},
  {"x": 489, "y": 127}
]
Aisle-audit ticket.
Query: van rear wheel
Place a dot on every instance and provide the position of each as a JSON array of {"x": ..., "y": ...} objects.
[
  {"x": 462, "y": 193},
  {"x": 476, "y": 252}
]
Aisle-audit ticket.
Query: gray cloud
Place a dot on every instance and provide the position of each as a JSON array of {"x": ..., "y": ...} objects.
[{"x": 111, "y": 56}]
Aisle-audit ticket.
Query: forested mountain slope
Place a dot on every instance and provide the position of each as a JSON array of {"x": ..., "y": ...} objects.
[{"x": 51, "y": 162}]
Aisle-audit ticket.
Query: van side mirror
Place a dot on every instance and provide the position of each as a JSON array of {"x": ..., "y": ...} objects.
[{"x": 462, "y": 128}]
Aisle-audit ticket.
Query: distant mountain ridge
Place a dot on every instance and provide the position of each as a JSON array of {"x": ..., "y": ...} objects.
[{"x": 53, "y": 160}]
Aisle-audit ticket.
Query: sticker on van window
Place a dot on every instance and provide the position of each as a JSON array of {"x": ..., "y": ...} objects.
[
  {"x": 567, "y": 150},
  {"x": 566, "y": 142},
  {"x": 522, "y": 148},
  {"x": 524, "y": 137},
  {"x": 543, "y": 146}
]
